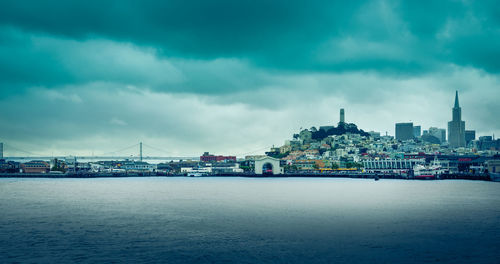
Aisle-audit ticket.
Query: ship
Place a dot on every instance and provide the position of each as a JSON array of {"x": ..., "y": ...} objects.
[
  {"x": 433, "y": 171},
  {"x": 199, "y": 172}
]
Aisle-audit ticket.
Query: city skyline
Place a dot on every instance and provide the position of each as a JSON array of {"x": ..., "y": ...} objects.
[
  {"x": 249, "y": 131},
  {"x": 237, "y": 78}
]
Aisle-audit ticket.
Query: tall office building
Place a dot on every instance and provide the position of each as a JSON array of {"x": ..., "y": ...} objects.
[
  {"x": 342, "y": 116},
  {"x": 439, "y": 133},
  {"x": 456, "y": 127},
  {"x": 404, "y": 131},
  {"x": 469, "y": 136},
  {"x": 417, "y": 131}
]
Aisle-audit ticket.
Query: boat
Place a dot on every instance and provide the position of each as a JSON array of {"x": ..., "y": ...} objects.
[
  {"x": 199, "y": 172},
  {"x": 430, "y": 172},
  {"x": 422, "y": 172},
  {"x": 194, "y": 174}
]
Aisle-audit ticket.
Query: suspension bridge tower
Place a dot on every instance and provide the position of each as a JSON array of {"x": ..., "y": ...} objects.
[{"x": 140, "y": 150}]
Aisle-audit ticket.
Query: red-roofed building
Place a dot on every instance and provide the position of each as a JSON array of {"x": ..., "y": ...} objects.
[
  {"x": 35, "y": 166},
  {"x": 206, "y": 157}
]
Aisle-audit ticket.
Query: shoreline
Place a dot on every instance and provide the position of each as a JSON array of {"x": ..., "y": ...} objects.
[{"x": 473, "y": 177}]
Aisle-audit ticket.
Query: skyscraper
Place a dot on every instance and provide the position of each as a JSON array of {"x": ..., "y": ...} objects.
[
  {"x": 404, "y": 131},
  {"x": 469, "y": 136},
  {"x": 342, "y": 116},
  {"x": 1, "y": 150},
  {"x": 417, "y": 131},
  {"x": 439, "y": 133},
  {"x": 456, "y": 127}
]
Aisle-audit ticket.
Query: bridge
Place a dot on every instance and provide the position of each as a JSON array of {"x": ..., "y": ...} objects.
[{"x": 132, "y": 152}]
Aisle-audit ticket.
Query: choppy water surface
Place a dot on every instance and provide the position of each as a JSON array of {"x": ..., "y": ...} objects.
[{"x": 245, "y": 220}]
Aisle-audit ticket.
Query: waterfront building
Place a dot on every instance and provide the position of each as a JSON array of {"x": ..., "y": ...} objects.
[
  {"x": 469, "y": 136},
  {"x": 456, "y": 127},
  {"x": 391, "y": 164},
  {"x": 268, "y": 165},
  {"x": 9, "y": 166},
  {"x": 404, "y": 131},
  {"x": 307, "y": 164},
  {"x": 464, "y": 163},
  {"x": 138, "y": 166},
  {"x": 207, "y": 157},
  {"x": 35, "y": 166},
  {"x": 494, "y": 165},
  {"x": 416, "y": 131}
]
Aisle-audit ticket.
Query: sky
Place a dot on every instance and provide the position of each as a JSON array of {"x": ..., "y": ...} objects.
[{"x": 236, "y": 77}]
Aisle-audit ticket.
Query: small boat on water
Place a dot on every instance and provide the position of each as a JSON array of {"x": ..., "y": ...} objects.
[{"x": 199, "y": 172}]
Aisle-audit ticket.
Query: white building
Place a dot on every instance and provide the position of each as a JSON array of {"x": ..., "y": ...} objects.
[
  {"x": 138, "y": 166},
  {"x": 268, "y": 165},
  {"x": 391, "y": 164}
]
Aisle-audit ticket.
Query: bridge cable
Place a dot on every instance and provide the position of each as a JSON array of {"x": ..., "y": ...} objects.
[{"x": 120, "y": 150}]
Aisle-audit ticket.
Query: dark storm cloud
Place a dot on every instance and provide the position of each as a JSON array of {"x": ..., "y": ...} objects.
[
  {"x": 401, "y": 36},
  {"x": 198, "y": 28},
  {"x": 102, "y": 74},
  {"x": 37, "y": 60}
]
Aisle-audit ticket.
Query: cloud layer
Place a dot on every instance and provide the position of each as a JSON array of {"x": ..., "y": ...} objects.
[{"x": 232, "y": 77}]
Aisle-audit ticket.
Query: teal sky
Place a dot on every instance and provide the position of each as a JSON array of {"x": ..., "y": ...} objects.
[{"x": 232, "y": 77}]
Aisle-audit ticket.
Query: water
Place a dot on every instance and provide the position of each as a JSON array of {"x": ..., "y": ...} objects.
[{"x": 245, "y": 220}]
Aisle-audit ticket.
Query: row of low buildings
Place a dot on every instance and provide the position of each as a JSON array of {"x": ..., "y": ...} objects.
[
  {"x": 34, "y": 166},
  {"x": 395, "y": 162},
  {"x": 71, "y": 165}
]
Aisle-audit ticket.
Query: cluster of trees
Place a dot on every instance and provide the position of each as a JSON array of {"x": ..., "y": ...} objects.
[
  {"x": 58, "y": 166},
  {"x": 277, "y": 155},
  {"x": 341, "y": 129}
]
